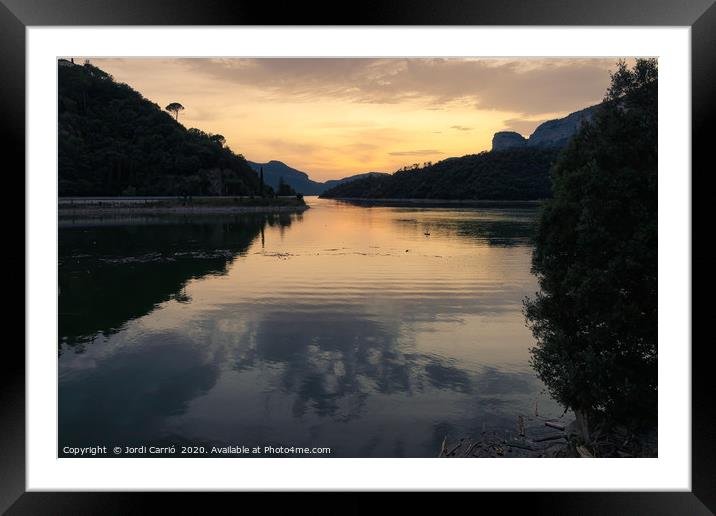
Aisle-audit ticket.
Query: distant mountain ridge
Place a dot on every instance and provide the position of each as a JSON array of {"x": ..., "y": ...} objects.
[
  {"x": 552, "y": 133},
  {"x": 274, "y": 170},
  {"x": 300, "y": 181}
]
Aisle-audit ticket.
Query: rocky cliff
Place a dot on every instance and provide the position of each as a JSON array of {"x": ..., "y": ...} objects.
[
  {"x": 556, "y": 133},
  {"x": 553, "y": 133},
  {"x": 508, "y": 140}
]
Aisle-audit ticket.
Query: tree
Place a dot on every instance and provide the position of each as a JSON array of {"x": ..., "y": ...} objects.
[
  {"x": 113, "y": 140},
  {"x": 219, "y": 139},
  {"x": 284, "y": 188},
  {"x": 175, "y": 107},
  {"x": 595, "y": 257},
  {"x": 197, "y": 132}
]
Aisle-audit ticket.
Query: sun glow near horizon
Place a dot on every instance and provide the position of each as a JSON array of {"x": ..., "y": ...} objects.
[{"x": 333, "y": 118}]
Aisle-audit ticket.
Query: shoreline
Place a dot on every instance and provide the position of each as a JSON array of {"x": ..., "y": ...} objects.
[
  {"x": 533, "y": 437},
  {"x": 558, "y": 438},
  {"x": 101, "y": 206},
  {"x": 439, "y": 202},
  {"x": 178, "y": 210}
]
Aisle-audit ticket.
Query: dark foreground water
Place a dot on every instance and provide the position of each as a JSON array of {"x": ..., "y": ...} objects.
[{"x": 374, "y": 332}]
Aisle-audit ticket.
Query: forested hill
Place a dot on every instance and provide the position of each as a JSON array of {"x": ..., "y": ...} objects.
[
  {"x": 512, "y": 174},
  {"x": 113, "y": 141}
]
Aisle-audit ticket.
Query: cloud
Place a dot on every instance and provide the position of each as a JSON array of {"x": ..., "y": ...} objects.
[
  {"x": 529, "y": 86},
  {"x": 282, "y": 146},
  {"x": 347, "y": 124},
  {"x": 336, "y": 116},
  {"x": 425, "y": 152}
]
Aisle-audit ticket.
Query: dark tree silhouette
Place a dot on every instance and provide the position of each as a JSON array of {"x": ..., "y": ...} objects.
[
  {"x": 284, "y": 188},
  {"x": 113, "y": 141},
  {"x": 595, "y": 256},
  {"x": 218, "y": 138},
  {"x": 175, "y": 107}
]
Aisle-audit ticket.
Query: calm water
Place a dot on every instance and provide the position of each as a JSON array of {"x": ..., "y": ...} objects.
[{"x": 373, "y": 331}]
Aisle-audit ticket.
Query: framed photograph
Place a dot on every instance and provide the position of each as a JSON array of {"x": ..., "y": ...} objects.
[{"x": 424, "y": 248}]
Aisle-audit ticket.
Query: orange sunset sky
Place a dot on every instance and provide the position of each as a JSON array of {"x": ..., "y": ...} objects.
[{"x": 333, "y": 118}]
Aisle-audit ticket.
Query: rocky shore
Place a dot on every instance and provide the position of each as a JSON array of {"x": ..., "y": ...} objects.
[{"x": 555, "y": 439}]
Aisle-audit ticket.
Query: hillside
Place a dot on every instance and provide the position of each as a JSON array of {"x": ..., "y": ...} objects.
[
  {"x": 513, "y": 174},
  {"x": 335, "y": 182},
  {"x": 275, "y": 170},
  {"x": 113, "y": 141}
]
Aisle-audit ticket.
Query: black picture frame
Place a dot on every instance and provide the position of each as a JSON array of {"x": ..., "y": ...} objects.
[{"x": 16, "y": 15}]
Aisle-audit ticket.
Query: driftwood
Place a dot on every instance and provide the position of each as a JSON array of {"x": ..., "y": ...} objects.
[
  {"x": 443, "y": 448},
  {"x": 529, "y": 440},
  {"x": 452, "y": 452},
  {"x": 494, "y": 445},
  {"x": 469, "y": 451},
  {"x": 557, "y": 426},
  {"x": 521, "y": 426},
  {"x": 534, "y": 441},
  {"x": 462, "y": 449},
  {"x": 549, "y": 438},
  {"x": 521, "y": 446},
  {"x": 583, "y": 452}
]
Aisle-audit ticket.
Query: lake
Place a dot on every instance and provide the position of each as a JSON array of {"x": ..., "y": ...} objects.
[{"x": 373, "y": 331}]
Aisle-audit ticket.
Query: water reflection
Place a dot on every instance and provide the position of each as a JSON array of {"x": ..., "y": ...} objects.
[
  {"x": 501, "y": 228},
  {"x": 347, "y": 327},
  {"x": 127, "y": 399},
  {"x": 114, "y": 272}
]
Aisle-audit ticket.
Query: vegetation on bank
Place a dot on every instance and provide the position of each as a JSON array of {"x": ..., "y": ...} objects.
[
  {"x": 595, "y": 256},
  {"x": 506, "y": 175},
  {"x": 113, "y": 141}
]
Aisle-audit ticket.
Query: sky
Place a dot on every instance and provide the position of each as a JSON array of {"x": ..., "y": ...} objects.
[{"x": 335, "y": 117}]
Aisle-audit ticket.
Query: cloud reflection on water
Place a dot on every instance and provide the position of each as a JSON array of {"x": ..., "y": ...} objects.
[{"x": 375, "y": 354}]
